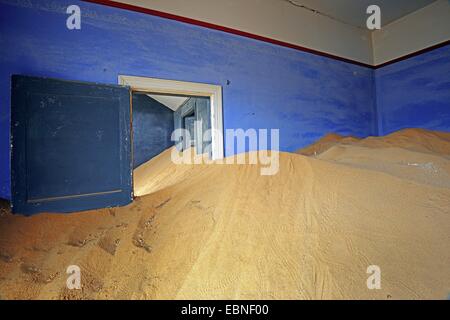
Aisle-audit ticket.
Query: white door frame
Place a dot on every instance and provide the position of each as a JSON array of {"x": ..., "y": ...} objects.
[{"x": 213, "y": 92}]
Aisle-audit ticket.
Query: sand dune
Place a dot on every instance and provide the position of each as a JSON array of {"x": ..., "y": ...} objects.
[
  {"x": 418, "y": 140},
  {"x": 225, "y": 231}
]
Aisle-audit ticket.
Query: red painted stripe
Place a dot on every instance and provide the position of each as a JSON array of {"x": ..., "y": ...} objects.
[
  {"x": 222, "y": 28},
  {"x": 255, "y": 36}
]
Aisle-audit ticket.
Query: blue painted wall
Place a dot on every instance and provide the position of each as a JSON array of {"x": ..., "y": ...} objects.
[
  {"x": 152, "y": 128},
  {"x": 302, "y": 94},
  {"x": 415, "y": 93}
]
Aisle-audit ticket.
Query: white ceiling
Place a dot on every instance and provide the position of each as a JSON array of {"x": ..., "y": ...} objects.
[
  {"x": 353, "y": 12},
  {"x": 172, "y": 102}
]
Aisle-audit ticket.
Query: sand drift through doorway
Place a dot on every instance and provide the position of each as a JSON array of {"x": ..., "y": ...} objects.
[{"x": 163, "y": 86}]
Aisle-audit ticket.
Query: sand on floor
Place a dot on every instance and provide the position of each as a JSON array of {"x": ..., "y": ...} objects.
[{"x": 225, "y": 231}]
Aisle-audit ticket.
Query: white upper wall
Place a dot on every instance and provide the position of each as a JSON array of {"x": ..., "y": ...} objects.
[
  {"x": 354, "y": 13},
  {"x": 418, "y": 30},
  {"x": 276, "y": 19},
  {"x": 335, "y": 30}
]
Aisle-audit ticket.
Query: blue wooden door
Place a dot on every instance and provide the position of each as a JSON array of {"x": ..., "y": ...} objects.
[{"x": 71, "y": 145}]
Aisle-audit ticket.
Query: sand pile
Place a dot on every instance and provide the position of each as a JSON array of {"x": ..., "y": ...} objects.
[
  {"x": 325, "y": 143},
  {"x": 417, "y": 155},
  {"x": 225, "y": 231},
  {"x": 418, "y": 140}
]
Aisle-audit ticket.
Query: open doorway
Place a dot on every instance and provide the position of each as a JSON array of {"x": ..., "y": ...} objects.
[
  {"x": 153, "y": 124},
  {"x": 161, "y": 106},
  {"x": 155, "y": 117}
]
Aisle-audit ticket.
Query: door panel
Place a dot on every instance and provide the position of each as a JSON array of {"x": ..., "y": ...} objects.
[
  {"x": 178, "y": 124},
  {"x": 184, "y": 119},
  {"x": 189, "y": 124},
  {"x": 70, "y": 145},
  {"x": 203, "y": 120},
  {"x": 195, "y": 116}
]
